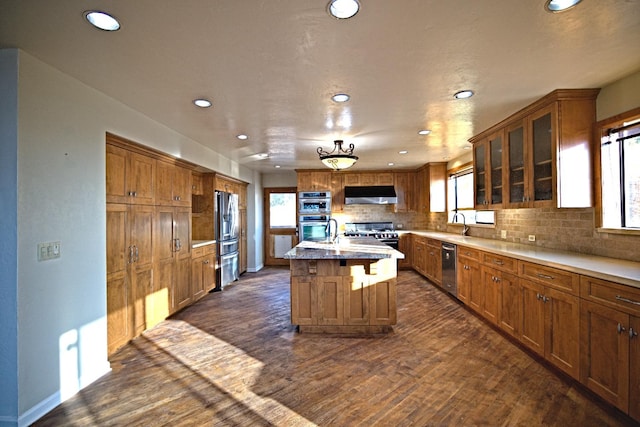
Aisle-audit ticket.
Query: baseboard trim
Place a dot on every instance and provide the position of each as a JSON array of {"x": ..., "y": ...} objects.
[
  {"x": 255, "y": 269},
  {"x": 47, "y": 405}
]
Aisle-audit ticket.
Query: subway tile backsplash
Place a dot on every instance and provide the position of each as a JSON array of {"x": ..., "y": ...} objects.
[{"x": 562, "y": 229}]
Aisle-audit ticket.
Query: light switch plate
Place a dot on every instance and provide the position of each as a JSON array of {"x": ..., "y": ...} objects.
[
  {"x": 49, "y": 250},
  {"x": 532, "y": 237},
  {"x": 503, "y": 234}
]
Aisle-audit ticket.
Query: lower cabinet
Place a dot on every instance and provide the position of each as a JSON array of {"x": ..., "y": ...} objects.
[
  {"x": 358, "y": 296},
  {"x": 468, "y": 271},
  {"x": 405, "y": 245},
  {"x": 433, "y": 269},
  {"x": 203, "y": 270},
  {"x": 419, "y": 255},
  {"x": 172, "y": 256},
  {"x": 610, "y": 342}
]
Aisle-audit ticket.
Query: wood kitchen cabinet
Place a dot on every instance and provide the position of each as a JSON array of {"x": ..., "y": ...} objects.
[
  {"x": 546, "y": 154},
  {"x": 129, "y": 272},
  {"x": 610, "y": 342},
  {"x": 419, "y": 255},
  {"x": 488, "y": 161},
  {"x": 403, "y": 184},
  {"x": 368, "y": 178},
  {"x": 312, "y": 180},
  {"x": 405, "y": 245},
  {"x": 130, "y": 176},
  {"x": 551, "y": 315},
  {"x": 173, "y": 185},
  {"x": 468, "y": 272},
  {"x": 433, "y": 268},
  {"x": 172, "y": 256},
  {"x": 356, "y": 295},
  {"x": 431, "y": 188},
  {"x": 337, "y": 192},
  {"x": 203, "y": 270}
]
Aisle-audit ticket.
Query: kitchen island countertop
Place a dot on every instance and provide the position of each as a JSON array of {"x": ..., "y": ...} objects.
[{"x": 345, "y": 248}]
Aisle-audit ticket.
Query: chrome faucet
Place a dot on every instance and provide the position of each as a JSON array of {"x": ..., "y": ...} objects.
[
  {"x": 327, "y": 230},
  {"x": 465, "y": 228}
]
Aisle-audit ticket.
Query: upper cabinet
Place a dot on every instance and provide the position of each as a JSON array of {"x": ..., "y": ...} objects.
[
  {"x": 488, "y": 161},
  {"x": 173, "y": 185},
  {"x": 368, "y": 178},
  {"x": 430, "y": 193},
  {"x": 539, "y": 156},
  {"x": 314, "y": 180},
  {"x": 130, "y": 176}
]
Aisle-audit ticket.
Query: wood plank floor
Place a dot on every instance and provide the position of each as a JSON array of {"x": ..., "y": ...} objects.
[{"x": 233, "y": 359}]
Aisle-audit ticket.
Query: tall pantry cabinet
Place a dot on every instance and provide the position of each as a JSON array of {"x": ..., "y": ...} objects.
[{"x": 148, "y": 239}]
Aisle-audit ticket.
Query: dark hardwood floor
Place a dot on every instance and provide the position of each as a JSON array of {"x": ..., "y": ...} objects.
[{"x": 233, "y": 359}]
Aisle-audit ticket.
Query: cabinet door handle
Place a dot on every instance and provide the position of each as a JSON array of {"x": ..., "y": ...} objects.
[
  {"x": 632, "y": 333},
  {"x": 544, "y": 276},
  {"x": 206, "y": 262},
  {"x": 538, "y": 296},
  {"x": 545, "y": 299},
  {"x": 623, "y": 299},
  {"x": 498, "y": 262},
  {"x": 131, "y": 261},
  {"x": 621, "y": 328},
  {"x": 137, "y": 253}
]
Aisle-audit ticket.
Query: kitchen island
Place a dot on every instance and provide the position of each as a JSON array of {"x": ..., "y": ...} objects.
[{"x": 348, "y": 287}]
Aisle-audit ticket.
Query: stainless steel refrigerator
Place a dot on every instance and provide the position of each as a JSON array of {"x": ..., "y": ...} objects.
[{"x": 227, "y": 229}]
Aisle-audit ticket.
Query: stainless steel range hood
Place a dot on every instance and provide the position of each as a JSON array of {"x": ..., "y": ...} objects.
[{"x": 370, "y": 195}]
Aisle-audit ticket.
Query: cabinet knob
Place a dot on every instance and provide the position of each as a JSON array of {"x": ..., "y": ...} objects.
[
  {"x": 632, "y": 333},
  {"x": 621, "y": 328}
]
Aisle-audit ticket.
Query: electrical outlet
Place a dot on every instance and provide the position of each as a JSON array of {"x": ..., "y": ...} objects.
[
  {"x": 503, "y": 234},
  {"x": 532, "y": 237},
  {"x": 399, "y": 226}
]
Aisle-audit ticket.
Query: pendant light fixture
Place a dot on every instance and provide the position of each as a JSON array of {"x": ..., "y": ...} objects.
[{"x": 338, "y": 159}]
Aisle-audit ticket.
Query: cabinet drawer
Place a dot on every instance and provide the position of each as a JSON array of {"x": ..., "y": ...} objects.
[
  {"x": 614, "y": 295},
  {"x": 434, "y": 243},
  {"x": 198, "y": 252},
  {"x": 464, "y": 252},
  {"x": 499, "y": 262},
  {"x": 553, "y": 277}
]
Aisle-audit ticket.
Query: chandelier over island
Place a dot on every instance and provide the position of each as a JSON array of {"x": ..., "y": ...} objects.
[{"x": 338, "y": 159}]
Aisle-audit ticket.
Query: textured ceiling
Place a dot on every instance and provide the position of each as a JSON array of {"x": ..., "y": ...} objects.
[{"x": 271, "y": 66}]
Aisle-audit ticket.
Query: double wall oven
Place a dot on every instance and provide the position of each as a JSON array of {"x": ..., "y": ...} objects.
[{"x": 314, "y": 212}]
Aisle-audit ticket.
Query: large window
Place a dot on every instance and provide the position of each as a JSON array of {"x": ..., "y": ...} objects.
[
  {"x": 620, "y": 183},
  {"x": 460, "y": 198}
]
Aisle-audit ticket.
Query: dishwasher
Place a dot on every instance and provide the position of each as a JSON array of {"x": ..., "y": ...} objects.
[{"x": 449, "y": 268}]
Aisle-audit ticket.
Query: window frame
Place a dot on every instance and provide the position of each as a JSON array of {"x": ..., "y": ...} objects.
[
  {"x": 457, "y": 171},
  {"x": 601, "y": 129}
]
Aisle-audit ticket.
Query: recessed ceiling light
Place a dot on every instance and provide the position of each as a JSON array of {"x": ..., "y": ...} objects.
[
  {"x": 390, "y": 164},
  {"x": 277, "y": 166},
  {"x": 343, "y": 9},
  {"x": 242, "y": 136},
  {"x": 202, "y": 103},
  {"x": 424, "y": 132},
  {"x": 403, "y": 152},
  {"x": 466, "y": 147},
  {"x": 463, "y": 94},
  {"x": 560, "y": 5},
  {"x": 263, "y": 155},
  {"x": 102, "y": 20},
  {"x": 340, "y": 97}
]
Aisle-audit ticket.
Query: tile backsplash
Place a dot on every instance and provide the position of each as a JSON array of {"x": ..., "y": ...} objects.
[{"x": 562, "y": 229}]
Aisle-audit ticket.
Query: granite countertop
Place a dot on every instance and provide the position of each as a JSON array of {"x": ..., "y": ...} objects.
[
  {"x": 612, "y": 269},
  {"x": 199, "y": 243},
  {"x": 346, "y": 248}
]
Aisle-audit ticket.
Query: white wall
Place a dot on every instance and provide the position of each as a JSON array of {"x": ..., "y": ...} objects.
[
  {"x": 61, "y": 303},
  {"x": 619, "y": 97}
]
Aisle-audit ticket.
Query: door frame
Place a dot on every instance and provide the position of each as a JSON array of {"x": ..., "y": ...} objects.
[{"x": 268, "y": 259}]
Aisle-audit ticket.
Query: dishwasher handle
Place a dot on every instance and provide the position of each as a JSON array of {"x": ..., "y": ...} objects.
[{"x": 448, "y": 247}]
